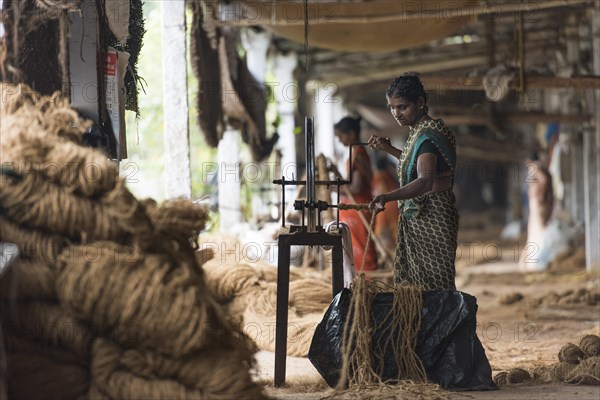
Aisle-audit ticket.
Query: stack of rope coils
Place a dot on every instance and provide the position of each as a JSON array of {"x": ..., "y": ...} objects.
[{"x": 107, "y": 300}]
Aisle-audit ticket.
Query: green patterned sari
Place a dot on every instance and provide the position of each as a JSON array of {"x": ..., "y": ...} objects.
[{"x": 428, "y": 224}]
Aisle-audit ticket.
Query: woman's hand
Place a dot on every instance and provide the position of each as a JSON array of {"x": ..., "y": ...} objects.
[
  {"x": 378, "y": 203},
  {"x": 380, "y": 143}
]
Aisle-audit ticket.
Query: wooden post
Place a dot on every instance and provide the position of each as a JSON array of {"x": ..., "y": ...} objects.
[
  {"x": 576, "y": 189},
  {"x": 591, "y": 148},
  {"x": 177, "y": 144}
]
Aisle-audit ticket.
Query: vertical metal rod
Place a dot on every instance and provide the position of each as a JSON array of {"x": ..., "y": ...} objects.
[
  {"x": 310, "y": 172},
  {"x": 338, "y": 200},
  {"x": 337, "y": 267},
  {"x": 281, "y": 313},
  {"x": 283, "y": 201},
  {"x": 521, "y": 55}
]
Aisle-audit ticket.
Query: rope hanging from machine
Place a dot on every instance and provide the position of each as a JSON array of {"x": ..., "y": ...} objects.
[{"x": 358, "y": 372}]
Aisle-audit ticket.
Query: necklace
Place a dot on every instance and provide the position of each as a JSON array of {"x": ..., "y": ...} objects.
[{"x": 416, "y": 124}]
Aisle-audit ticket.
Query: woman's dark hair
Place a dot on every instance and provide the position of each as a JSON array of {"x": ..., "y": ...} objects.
[
  {"x": 407, "y": 86},
  {"x": 348, "y": 124}
]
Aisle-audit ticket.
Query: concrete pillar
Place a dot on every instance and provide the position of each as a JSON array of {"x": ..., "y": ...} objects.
[
  {"x": 324, "y": 110},
  {"x": 574, "y": 193},
  {"x": 286, "y": 92},
  {"x": 229, "y": 181},
  {"x": 1, "y": 28},
  {"x": 177, "y": 144},
  {"x": 257, "y": 45},
  {"x": 591, "y": 146}
]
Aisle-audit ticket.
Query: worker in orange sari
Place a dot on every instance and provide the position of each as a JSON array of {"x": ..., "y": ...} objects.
[
  {"x": 347, "y": 130},
  {"x": 386, "y": 222}
]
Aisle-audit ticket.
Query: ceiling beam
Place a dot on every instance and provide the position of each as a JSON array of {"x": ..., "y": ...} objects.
[
  {"x": 515, "y": 118},
  {"x": 445, "y": 82},
  {"x": 423, "y": 68},
  {"x": 249, "y": 15}
]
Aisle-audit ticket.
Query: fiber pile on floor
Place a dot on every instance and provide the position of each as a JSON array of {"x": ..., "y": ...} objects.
[
  {"x": 577, "y": 364},
  {"x": 248, "y": 293}
]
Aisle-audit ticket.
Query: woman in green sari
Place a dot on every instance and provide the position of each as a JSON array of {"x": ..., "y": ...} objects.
[{"x": 428, "y": 222}]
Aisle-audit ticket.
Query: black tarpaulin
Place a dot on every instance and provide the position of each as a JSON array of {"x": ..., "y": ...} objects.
[{"x": 447, "y": 343}]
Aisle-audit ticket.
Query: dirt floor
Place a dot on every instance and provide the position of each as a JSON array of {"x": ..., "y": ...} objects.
[{"x": 515, "y": 333}]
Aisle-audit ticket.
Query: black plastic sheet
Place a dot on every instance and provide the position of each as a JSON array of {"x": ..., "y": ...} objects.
[{"x": 447, "y": 343}]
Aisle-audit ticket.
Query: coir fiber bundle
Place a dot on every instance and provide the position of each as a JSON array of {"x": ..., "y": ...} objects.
[
  {"x": 21, "y": 345},
  {"x": 32, "y": 244},
  {"x": 248, "y": 293},
  {"x": 35, "y": 376},
  {"x": 586, "y": 373},
  {"x": 31, "y": 149},
  {"x": 261, "y": 329},
  {"x": 121, "y": 291},
  {"x": 227, "y": 281},
  {"x": 38, "y": 204},
  {"x": 208, "y": 374},
  {"x": 180, "y": 219},
  {"x": 50, "y": 325},
  {"x": 52, "y": 114},
  {"x": 122, "y": 273},
  {"x": 309, "y": 295},
  {"x": 577, "y": 366}
]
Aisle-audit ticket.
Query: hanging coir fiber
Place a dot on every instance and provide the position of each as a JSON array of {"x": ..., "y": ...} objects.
[
  {"x": 215, "y": 373},
  {"x": 357, "y": 356}
]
